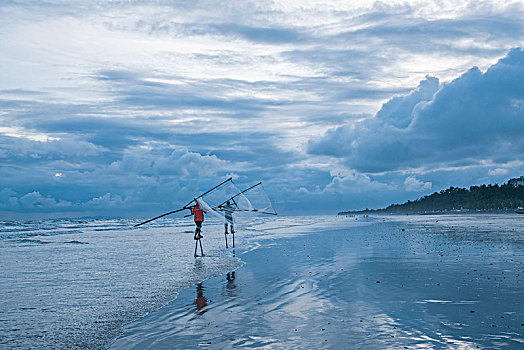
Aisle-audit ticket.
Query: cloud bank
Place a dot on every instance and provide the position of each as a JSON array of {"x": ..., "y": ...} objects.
[{"x": 476, "y": 118}]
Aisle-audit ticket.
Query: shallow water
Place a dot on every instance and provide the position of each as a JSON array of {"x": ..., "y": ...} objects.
[
  {"x": 452, "y": 282},
  {"x": 71, "y": 284}
]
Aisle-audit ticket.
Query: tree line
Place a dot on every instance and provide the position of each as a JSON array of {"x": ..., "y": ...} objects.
[{"x": 476, "y": 198}]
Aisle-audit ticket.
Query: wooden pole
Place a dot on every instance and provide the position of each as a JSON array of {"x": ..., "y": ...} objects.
[
  {"x": 196, "y": 247},
  {"x": 238, "y": 194},
  {"x": 203, "y": 194},
  {"x": 160, "y": 216},
  {"x": 185, "y": 206}
]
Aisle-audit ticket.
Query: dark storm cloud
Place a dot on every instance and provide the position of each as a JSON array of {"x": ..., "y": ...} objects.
[{"x": 477, "y": 117}]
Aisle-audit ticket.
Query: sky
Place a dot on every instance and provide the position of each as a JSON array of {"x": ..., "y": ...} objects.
[{"x": 132, "y": 108}]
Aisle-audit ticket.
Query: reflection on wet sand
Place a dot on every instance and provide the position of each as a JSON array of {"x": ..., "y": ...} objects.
[
  {"x": 231, "y": 287},
  {"x": 230, "y": 277},
  {"x": 200, "y": 301},
  {"x": 382, "y": 286}
]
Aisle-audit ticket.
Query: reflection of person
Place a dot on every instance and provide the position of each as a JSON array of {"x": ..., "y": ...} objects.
[
  {"x": 228, "y": 210},
  {"x": 230, "y": 289},
  {"x": 199, "y": 219},
  {"x": 201, "y": 300},
  {"x": 230, "y": 277}
]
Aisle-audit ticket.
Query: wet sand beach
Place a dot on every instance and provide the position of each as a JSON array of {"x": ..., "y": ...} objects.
[
  {"x": 444, "y": 282},
  {"x": 447, "y": 281}
]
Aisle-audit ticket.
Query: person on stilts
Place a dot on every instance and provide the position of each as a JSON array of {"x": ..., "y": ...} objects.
[
  {"x": 228, "y": 214},
  {"x": 199, "y": 219}
]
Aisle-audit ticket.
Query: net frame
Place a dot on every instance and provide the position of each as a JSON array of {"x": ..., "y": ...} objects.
[{"x": 246, "y": 204}]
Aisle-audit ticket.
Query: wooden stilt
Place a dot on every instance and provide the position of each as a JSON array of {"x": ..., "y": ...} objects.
[
  {"x": 225, "y": 235},
  {"x": 196, "y": 246},
  {"x": 233, "y": 233},
  {"x": 201, "y": 250}
]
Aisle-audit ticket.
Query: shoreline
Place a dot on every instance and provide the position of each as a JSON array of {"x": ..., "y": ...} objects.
[{"x": 457, "y": 212}]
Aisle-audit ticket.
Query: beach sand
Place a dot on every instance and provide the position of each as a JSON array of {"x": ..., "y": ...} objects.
[{"x": 445, "y": 282}]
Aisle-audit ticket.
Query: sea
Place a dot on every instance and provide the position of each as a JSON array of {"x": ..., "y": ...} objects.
[{"x": 370, "y": 282}]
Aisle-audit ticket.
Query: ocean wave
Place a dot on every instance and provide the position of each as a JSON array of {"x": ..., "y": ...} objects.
[{"x": 50, "y": 227}]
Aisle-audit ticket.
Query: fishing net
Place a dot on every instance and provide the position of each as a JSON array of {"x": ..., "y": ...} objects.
[
  {"x": 229, "y": 203},
  {"x": 213, "y": 201},
  {"x": 255, "y": 199},
  {"x": 226, "y": 202}
]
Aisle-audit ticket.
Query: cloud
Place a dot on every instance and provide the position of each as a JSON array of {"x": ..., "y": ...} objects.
[
  {"x": 414, "y": 185},
  {"x": 261, "y": 34},
  {"x": 179, "y": 162},
  {"x": 22, "y": 147},
  {"x": 478, "y": 117},
  {"x": 498, "y": 171},
  {"x": 106, "y": 201},
  {"x": 355, "y": 183},
  {"x": 398, "y": 110},
  {"x": 8, "y": 199},
  {"x": 33, "y": 201},
  {"x": 411, "y": 33}
]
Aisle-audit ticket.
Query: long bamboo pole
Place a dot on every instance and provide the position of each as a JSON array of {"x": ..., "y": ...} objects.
[{"x": 185, "y": 206}]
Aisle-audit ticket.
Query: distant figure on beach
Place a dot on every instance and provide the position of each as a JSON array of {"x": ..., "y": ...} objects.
[
  {"x": 199, "y": 219},
  {"x": 228, "y": 210}
]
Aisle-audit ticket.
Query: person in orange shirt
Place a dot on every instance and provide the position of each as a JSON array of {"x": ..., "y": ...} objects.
[{"x": 199, "y": 219}]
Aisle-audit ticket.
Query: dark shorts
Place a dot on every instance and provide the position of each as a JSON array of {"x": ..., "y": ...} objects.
[{"x": 199, "y": 224}]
